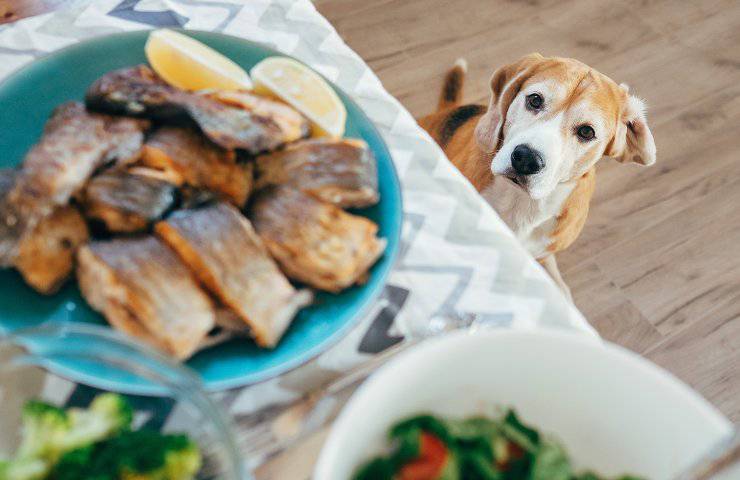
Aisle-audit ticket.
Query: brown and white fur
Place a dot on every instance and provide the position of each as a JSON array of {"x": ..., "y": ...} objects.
[{"x": 545, "y": 202}]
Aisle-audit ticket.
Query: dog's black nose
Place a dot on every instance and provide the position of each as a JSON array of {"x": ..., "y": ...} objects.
[{"x": 526, "y": 160}]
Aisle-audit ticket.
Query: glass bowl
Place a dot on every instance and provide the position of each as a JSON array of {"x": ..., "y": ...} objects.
[{"x": 31, "y": 367}]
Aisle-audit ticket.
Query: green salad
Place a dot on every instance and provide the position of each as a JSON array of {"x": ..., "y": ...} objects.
[
  {"x": 96, "y": 443},
  {"x": 426, "y": 447}
]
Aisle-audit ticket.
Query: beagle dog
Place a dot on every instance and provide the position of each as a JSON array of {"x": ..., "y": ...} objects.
[{"x": 532, "y": 152}]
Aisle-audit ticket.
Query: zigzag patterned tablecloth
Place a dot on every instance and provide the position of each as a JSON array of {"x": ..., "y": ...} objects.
[{"x": 456, "y": 254}]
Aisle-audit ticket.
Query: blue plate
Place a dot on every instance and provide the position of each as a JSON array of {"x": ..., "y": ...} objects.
[{"x": 28, "y": 97}]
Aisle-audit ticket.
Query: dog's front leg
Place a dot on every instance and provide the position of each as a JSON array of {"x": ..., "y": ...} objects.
[{"x": 551, "y": 266}]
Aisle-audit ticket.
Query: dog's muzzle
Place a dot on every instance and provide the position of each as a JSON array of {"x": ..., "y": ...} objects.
[{"x": 525, "y": 160}]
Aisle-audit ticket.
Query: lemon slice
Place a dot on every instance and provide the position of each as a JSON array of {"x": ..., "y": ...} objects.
[
  {"x": 186, "y": 63},
  {"x": 303, "y": 89}
]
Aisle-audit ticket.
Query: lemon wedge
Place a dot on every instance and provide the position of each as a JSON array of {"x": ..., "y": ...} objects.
[
  {"x": 186, "y": 63},
  {"x": 303, "y": 89}
]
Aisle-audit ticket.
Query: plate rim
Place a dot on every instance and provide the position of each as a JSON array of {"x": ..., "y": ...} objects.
[{"x": 78, "y": 376}]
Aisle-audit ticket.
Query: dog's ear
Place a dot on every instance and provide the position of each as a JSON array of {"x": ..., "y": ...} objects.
[
  {"x": 505, "y": 85},
  {"x": 633, "y": 141}
]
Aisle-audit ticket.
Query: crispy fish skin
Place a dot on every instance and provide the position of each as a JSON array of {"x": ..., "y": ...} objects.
[
  {"x": 342, "y": 172},
  {"x": 143, "y": 289},
  {"x": 313, "y": 241},
  {"x": 135, "y": 91},
  {"x": 234, "y": 128},
  {"x": 293, "y": 125},
  {"x": 74, "y": 144},
  {"x": 126, "y": 138},
  {"x": 138, "y": 91},
  {"x": 189, "y": 158},
  {"x": 46, "y": 255},
  {"x": 219, "y": 244},
  {"x": 126, "y": 202}
]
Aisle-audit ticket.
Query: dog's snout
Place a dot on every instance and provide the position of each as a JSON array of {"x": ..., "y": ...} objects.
[{"x": 526, "y": 160}]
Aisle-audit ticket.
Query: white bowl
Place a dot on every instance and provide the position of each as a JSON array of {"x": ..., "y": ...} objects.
[{"x": 614, "y": 411}]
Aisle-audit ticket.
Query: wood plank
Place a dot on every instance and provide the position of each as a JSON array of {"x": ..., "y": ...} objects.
[
  {"x": 685, "y": 274},
  {"x": 609, "y": 309},
  {"x": 707, "y": 357},
  {"x": 295, "y": 464}
]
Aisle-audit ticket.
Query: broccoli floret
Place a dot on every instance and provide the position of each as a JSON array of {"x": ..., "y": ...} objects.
[
  {"x": 44, "y": 426},
  {"x": 107, "y": 415},
  {"x": 183, "y": 463},
  {"x": 139, "y": 455},
  {"x": 115, "y": 406},
  {"x": 149, "y": 455},
  {"x": 23, "y": 469},
  {"x": 48, "y": 431},
  {"x": 80, "y": 463},
  {"x": 97, "y": 444}
]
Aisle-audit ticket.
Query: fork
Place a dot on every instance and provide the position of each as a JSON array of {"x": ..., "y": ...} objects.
[{"x": 270, "y": 430}]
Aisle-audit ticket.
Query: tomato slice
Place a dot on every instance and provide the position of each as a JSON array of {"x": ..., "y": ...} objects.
[{"x": 430, "y": 462}]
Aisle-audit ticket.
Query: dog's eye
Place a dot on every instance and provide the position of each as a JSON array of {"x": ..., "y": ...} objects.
[
  {"x": 586, "y": 132},
  {"x": 535, "y": 101}
]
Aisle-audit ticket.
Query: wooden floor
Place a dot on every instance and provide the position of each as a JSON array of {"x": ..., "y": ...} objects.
[{"x": 657, "y": 268}]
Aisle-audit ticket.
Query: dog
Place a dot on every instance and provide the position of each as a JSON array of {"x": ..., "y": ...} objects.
[{"x": 531, "y": 153}]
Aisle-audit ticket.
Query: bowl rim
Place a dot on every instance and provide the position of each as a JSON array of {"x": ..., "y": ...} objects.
[
  {"x": 39, "y": 344},
  {"x": 456, "y": 340}
]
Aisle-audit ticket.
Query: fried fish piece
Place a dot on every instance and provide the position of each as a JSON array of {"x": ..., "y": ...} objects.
[
  {"x": 74, "y": 144},
  {"x": 127, "y": 202},
  {"x": 138, "y": 91},
  {"x": 313, "y": 241},
  {"x": 342, "y": 172},
  {"x": 46, "y": 254},
  {"x": 219, "y": 244},
  {"x": 293, "y": 125},
  {"x": 187, "y": 157},
  {"x": 143, "y": 289}
]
